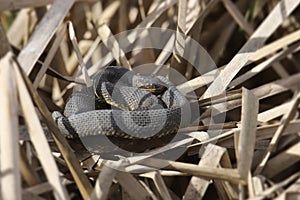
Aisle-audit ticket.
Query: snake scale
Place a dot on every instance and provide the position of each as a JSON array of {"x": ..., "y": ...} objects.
[{"x": 123, "y": 104}]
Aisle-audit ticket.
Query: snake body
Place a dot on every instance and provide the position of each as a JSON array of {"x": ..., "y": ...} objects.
[{"x": 123, "y": 104}]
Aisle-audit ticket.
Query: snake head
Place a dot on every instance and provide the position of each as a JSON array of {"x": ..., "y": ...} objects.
[{"x": 150, "y": 83}]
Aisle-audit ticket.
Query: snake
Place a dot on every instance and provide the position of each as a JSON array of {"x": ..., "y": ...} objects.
[{"x": 123, "y": 104}]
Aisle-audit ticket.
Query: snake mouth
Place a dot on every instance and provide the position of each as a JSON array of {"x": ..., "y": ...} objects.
[{"x": 155, "y": 89}]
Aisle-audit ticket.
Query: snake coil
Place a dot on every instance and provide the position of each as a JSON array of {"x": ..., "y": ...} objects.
[{"x": 118, "y": 105}]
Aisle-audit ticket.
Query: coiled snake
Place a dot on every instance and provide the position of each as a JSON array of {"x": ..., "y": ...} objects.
[{"x": 123, "y": 104}]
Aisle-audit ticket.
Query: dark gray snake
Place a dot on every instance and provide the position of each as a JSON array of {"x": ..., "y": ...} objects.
[{"x": 123, "y": 104}]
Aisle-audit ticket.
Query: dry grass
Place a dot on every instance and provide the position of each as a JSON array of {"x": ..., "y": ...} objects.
[{"x": 255, "y": 153}]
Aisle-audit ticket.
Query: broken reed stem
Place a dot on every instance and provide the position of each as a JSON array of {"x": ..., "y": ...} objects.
[
  {"x": 228, "y": 96},
  {"x": 226, "y": 125},
  {"x": 81, "y": 180},
  {"x": 283, "y": 125},
  {"x": 231, "y": 175}
]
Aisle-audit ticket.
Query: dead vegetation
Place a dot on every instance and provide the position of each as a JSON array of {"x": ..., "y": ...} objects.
[{"x": 255, "y": 154}]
